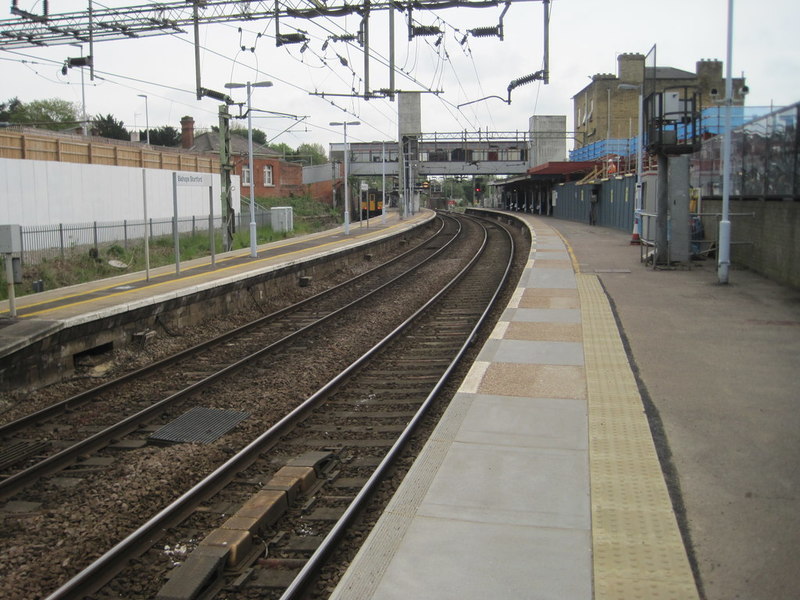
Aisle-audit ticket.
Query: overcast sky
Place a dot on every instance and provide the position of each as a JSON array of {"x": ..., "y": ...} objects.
[{"x": 585, "y": 38}]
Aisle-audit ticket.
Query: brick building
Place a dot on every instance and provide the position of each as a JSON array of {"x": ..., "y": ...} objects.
[
  {"x": 274, "y": 177},
  {"x": 604, "y": 111}
]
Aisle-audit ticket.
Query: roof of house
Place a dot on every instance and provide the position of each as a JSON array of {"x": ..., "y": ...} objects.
[
  {"x": 209, "y": 142},
  {"x": 669, "y": 73}
]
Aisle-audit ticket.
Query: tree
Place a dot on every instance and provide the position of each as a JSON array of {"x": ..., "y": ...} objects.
[
  {"x": 283, "y": 149},
  {"x": 8, "y": 109},
  {"x": 259, "y": 137},
  {"x": 109, "y": 127},
  {"x": 52, "y": 113},
  {"x": 311, "y": 154},
  {"x": 165, "y": 136}
]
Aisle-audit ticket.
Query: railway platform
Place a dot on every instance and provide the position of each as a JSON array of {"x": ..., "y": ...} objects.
[
  {"x": 649, "y": 451},
  {"x": 546, "y": 477},
  {"x": 542, "y": 479},
  {"x": 44, "y": 319}
]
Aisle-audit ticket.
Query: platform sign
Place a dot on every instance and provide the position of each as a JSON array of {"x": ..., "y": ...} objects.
[{"x": 192, "y": 180}]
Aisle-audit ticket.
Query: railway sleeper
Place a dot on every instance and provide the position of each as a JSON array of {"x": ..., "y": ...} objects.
[{"x": 233, "y": 547}]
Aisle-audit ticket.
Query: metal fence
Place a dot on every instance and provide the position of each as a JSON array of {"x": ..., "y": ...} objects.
[
  {"x": 46, "y": 242},
  {"x": 765, "y": 159}
]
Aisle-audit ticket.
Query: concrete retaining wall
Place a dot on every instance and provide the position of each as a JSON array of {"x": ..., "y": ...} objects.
[{"x": 772, "y": 236}]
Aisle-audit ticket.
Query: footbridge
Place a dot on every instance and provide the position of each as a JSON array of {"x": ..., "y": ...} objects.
[{"x": 444, "y": 154}]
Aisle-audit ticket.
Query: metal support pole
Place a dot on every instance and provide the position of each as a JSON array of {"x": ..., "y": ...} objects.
[
  {"x": 196, "y": 27},
  {"x": 724, "y": 260},
  {"x": 391, "y": 53},
  {"x": 637, "y": 200},
  {"x": 253, "y": 234},
  {"x": 83, "y": 101},
  {"x": 175, "y": 237},
  {"x": 12, "y": 304},
  {"x": 146, "y": 118},
  {"x": 662, "y": 209},
  {"x": 346, "y": 184},
  {"x": 346, "y": 172},
  {"x": 146, "y": 228},
  {"x": 546, "y": 66},
  {"x": 211, "y": 242},
  {"x": 365, "y": 40},
  {"x": 383, "y": 183}
]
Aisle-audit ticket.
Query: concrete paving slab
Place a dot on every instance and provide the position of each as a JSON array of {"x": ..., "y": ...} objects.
[
  {"x": 532, "y": 352},
  {"x": 556, "y": 332},
  {"x": 538, "y": 381},
  {"x": 544, "y": 487},
  {"x": 529, "y": 300},
  {"x": 542, "y": 315},
  {"x": 548, "y": 278},
  {"x": 458, "y": 553},
  {"x": 534, "y": 422}
]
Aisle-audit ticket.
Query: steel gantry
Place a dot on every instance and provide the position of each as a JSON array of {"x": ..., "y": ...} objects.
[{"x": 102, "y": 24}]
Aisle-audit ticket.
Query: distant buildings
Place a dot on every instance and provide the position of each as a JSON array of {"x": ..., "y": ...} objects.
[
  {"x": 608, "y": 107},
  {"x": 274, "y": 177}
]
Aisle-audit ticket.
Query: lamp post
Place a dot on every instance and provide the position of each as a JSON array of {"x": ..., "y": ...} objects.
[
  {"x": 346, "y": 169},
  {"x": 637, "y": 201},
  {"x": 146, "y": 117},
  {"x": 248, "y": 85}
]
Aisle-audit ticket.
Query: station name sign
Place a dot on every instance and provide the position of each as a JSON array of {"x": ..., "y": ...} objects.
[{"x": 197, "y": 179}]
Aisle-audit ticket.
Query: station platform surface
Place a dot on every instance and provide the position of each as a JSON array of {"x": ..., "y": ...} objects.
[
  {"x": 42, "y": 314},
  {"x": 543, "y": 479}
]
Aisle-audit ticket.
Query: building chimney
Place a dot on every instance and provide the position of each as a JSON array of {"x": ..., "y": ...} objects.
[
  {"x": 187, "y": 132},
  {"x": 630, "y": 67}
]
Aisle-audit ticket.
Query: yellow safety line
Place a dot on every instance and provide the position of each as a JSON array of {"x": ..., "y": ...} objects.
[
  {"x": 576, "y": 266},
  {"x": 157, "y": 284},
  {"x": 637, "y": 548}
]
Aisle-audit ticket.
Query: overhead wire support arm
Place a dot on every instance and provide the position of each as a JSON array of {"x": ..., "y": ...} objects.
[
  {"x": 486, "y": 98},
  {"x": 282, "y": 39},
  {"x": 175, "y": 16},
  {"x": 496, "y": 30},
  {"x": 539, "y": 75}
]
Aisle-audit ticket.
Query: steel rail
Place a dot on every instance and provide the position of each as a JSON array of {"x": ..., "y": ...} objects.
[
  {"x": 331, "y": 540},
  {"x": 104, "y": 568},
  {"x": 87, "y": 395},
  {"x": 71, "y": 454}
]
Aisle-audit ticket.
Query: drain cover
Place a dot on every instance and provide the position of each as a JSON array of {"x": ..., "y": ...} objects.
[{"x": 200, "y": 424}]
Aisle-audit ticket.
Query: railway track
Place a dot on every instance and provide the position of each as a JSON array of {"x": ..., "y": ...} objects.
[
  {"x": 358, "y": 422},
  {"x": 54, "y": 438}
]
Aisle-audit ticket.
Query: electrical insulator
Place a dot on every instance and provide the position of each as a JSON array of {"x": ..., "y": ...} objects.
[
  {"x": 421, "y": 30},
  {"x": 485, "y": 31},
  {"x": 290, "y": 38}
]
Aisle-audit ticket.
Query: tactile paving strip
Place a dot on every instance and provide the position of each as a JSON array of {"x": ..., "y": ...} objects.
[
  {"x": 637, "y": 547},
  {"x": 203, "y": 425}
]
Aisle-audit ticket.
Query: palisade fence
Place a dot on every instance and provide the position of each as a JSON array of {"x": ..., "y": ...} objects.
[{"x": 47, "y": 242}]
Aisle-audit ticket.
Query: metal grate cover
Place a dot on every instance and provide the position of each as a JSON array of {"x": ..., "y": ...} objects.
[{"x": 199, "y": 424}]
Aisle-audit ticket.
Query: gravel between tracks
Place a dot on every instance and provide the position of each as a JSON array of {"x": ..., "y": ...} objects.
[{"x": 79, "y": 525}]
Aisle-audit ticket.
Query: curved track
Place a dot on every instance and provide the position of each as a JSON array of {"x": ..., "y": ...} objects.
[
  {"x": 355, "y": 421},
  {"x": 51, "y": 439}
]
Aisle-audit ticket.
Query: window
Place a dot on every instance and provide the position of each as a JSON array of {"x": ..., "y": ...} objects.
[
  {"x": 245, "y": 175},
  {"x": 268, "y": 175}
]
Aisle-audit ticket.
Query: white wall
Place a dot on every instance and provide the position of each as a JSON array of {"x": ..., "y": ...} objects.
[{"x": 34, "y": 192}]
